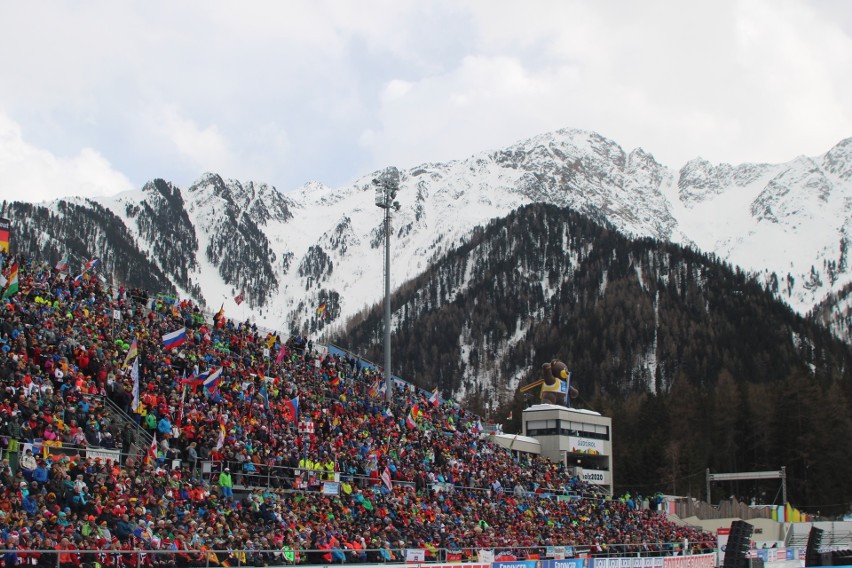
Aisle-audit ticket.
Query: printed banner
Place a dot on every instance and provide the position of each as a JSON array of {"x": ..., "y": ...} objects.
[
  {"x": 567, "y": 563},
  {"x": 330, "y": 488},
  {"x": 595, "y": 476},
  {"x": 5, "y": 227},
  {"x": 415, "y": 555},
  {"x": 721, "y": 544},
  {"x": 628, "y": 562},
  {"x": 694, "y": 561},
  {"x": 519, "y": 564},
  {"x": 585, "y": 445},
  {"x": 104, "y": 454}
]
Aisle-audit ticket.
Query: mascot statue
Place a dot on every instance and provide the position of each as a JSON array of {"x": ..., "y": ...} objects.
[{"x": 555, "y": 383}]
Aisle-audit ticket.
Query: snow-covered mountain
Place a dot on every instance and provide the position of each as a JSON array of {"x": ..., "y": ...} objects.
[{"x": 789, "y": 224}]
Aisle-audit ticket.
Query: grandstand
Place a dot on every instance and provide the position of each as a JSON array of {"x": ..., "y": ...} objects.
[{"x": 241, "y": 446}]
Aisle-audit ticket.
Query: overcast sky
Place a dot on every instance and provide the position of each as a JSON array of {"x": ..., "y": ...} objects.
[{"x": 99, "y": 97}]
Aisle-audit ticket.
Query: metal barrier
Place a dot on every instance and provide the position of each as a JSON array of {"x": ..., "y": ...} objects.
[
  {"x": 251, "y": 557},
  {"x": 287, "y": 477}
]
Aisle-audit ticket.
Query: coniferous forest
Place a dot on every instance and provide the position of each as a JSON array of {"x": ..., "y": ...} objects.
[{"x": 698, "y": 365}]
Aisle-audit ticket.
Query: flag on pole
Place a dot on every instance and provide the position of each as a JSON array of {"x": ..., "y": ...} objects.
[
  {"x": 174, "y": 339},
  {"x": 293, "y": 407},
  {"x": 435, "y": 399},
  {"x": 12, "y": 287},
  {"x": 179, "y": 420},
  {"x": 79, "y": 278},
  {"x": 62, "y": 265},
  {"x": 566, "y": 383},
  {"x": 134, "y": 374},
  {"x": 240, "y": 298},
  {"x": 217, "y": 317},
  {"x": 94, "y": 263},
  {"x": 386, "y": 478},
  {"x": 212, "y": 380},
  {"x": 410, "y": 421},
  {"x": 321, "y": 309},
  {"x": 221, "y": 439},
  {"x": 151, "y": 456},
  {"x": 374, "y": 388},
  {"x": 264, "y": 393},
  {"x": 132, "y": 353}
]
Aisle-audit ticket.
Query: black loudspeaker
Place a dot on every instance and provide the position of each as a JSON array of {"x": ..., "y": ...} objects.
[
  {"x": 812, "y": 554},
  {"x": 739, "y": 542}
]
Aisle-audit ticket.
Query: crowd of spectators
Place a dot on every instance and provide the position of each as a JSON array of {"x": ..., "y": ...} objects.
[{"x": 64, "y": 369}]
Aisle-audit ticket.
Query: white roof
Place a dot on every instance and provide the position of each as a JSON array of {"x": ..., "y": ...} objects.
[{"x": 536, "y": 407}]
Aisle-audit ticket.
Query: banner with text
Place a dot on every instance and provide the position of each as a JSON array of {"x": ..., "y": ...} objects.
[{"x": 585, "y": 445}]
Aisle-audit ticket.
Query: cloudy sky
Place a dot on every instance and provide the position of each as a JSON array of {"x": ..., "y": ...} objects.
[{"x": 99, "y": 97}]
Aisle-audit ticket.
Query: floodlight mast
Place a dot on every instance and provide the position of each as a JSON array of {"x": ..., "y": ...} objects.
[{"x": 387, "y": 184}]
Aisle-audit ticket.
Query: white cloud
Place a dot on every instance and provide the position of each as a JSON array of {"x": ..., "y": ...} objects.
[
  {"x": 205, "y": 148},
  {"x": 28, "y": 173},
  {"x": 328, "y": 90}
]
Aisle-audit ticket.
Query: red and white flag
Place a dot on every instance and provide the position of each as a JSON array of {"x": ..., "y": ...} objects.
[
  {"x": 386, "y": 478},
  {"x": 151, "y": 456},
  {"x": 240, "y": 298}
]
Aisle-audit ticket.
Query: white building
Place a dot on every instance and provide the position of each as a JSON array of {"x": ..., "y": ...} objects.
[{"x": 581, "y": 439}]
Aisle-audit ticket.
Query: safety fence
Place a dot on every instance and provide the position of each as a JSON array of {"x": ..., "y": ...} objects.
[{"x": 368, "y": 558}]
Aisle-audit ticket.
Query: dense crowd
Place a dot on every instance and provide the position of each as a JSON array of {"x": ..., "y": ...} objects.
[{"x": 64, "y": 346}]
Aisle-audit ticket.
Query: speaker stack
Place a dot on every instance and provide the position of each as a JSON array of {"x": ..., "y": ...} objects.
[
  {"x": 812, "y": 554},
  {"x": 739, "y": 541}
]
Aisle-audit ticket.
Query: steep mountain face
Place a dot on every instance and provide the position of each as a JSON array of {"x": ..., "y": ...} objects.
[
  {"x": 788, "y": 224},
  {"x": 630, "y": 315},
  {"x": 697, "y": 364}
]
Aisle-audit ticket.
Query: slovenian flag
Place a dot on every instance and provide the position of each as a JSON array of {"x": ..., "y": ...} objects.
[
  {"x": 93, "y": 263},
  {"x": 293, "y": 407},
  {"x": 174, "y": 339},
  {"x": 435, "y": 399},
  {"x": 79, "y": 278},
  {"x": 212, "y": 380}
]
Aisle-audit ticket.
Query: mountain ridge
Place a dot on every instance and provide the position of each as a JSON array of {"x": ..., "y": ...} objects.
[{"x": 784, "y": 223}]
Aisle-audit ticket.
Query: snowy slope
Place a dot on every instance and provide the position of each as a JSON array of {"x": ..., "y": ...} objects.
[{"x": 789, "y": 223}]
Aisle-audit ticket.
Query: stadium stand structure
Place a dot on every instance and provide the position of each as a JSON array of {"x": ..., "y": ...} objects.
[{"x": 330, "y": 471}]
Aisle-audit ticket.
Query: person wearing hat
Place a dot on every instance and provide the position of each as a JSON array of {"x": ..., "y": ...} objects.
[
  {"x": 226, "y": 484},
  {"x": 28, "y": 464}
]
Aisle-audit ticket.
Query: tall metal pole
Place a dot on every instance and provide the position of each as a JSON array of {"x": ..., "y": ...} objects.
[
  {"x": 387, "y": 184},
  {"x": 388, "y": 379}
]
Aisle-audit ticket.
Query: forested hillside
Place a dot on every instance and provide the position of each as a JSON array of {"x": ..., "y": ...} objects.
[{"x": 698, "y": 365}]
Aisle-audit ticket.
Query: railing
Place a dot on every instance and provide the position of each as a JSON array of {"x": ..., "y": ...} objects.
[
  {"x": 146, "y": 437},
  {"x": 837, "y": 534},
  {"x": 285, "y": 477},
  {"x": 689, "y": 507},
  {"x": 249, "y": 557}
]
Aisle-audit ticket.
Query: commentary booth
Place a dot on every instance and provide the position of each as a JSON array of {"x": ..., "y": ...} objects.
[{"x": 581, "y": 439}]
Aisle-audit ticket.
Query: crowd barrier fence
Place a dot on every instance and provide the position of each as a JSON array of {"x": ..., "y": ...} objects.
[{"x": 414, "y": 558}]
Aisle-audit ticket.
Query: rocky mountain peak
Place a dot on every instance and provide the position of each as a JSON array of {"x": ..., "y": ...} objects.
[{"x": 838, "y": 160}]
